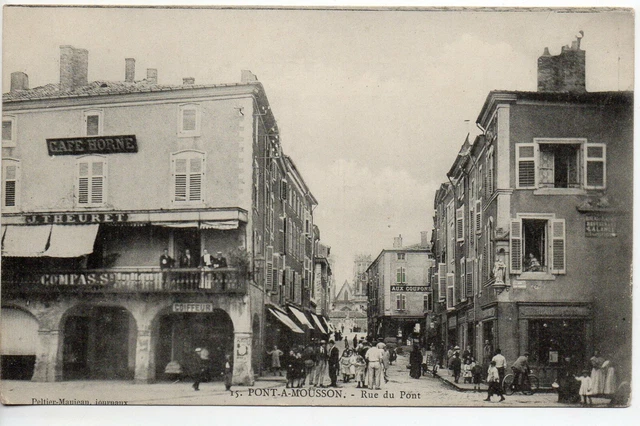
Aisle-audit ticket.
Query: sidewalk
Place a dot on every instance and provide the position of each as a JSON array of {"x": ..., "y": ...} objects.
[{"x": 446, "y": 376}]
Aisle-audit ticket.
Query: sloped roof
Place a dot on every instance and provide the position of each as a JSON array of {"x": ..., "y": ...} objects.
[{"x": 103, "y": 88}]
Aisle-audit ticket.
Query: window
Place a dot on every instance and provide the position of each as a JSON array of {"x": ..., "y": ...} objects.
[
  {"x": 92, "y": 125},
  {"x": 460, "y": 224},
  {"x": 8, "y": 132},
  {"x": 427, "y": 302},
  {"x": 489, "y": 187},
  {"x": 451, "y": 281},
  {"x": 189, "y": 120},
  {"x": 255, "y": 194},
  {"x": 283, "y": 190},
  {"x": 188, "y": 176},
  {"x": 91, "y": 180},
  {"x": 561, "y": 164},
  {"x": 401, "y": 302},
  {"x": 538, "y": 245},
  {"x": 442, "y": 281},
  {"x": 401, "y": 276},
  {"x": 401, "y": 256},
  {"x": 10, "y": 183}
]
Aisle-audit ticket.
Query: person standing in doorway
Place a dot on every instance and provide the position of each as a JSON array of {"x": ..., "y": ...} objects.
[
  {"x": 275, "y": 360},
  {"x": 204, "y": 367},
  {"x": 228, "y": 371}
]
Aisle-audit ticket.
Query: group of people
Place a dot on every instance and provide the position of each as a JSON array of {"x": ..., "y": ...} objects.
[
  {"x": 204, "y": 370},
  {"x": 581, "y": 385},
  {"x": 186, "y": 260}
]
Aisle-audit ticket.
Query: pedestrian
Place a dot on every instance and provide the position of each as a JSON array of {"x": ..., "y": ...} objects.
[
  {"x": 476, "y": 371},
  {"x": 345, "y": 365},
  {"x": 597, "y": 373},
  {"x": 415, "y": 363},
  {"x": 309, "y": 361},
  {"x": 275, "y": 360},
  {"x": 228, "y": 371},
  {"x": 493, "y": 382},
  {"x": 334, "y": 363},
  {"x": 501, "y": 364},
  {"x": 291, "y": 368},
  {"x": 568, "y": 388},
  {"x": 586, "y": 387},
  {"x": 456, "y": 366},
  {"x": 204, "y": 367},
  {"x": 386, "y": 362},
  {"x": 466, "y": 371},
  {"x": 359, "y": 366},
  {"x": 355, "y": 340},
  {"x": 610, "y": 382},
  {"x": 322, "y": 378},
  {"x": 374, "y": 366}
]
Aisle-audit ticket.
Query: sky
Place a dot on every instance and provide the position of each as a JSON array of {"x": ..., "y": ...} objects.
[{"x": 372, "y": 106}]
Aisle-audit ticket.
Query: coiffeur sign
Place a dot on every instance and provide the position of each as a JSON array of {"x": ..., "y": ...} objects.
[{"x": 93, "y": 145}]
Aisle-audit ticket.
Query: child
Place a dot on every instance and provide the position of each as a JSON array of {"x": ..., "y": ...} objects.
[
  {"x": 291, "y": 369},
  {"x": 585, "y": 387},
  {"x": 360, "y": 366},
  {"x": 466, "y": 371},
  {"x": 345, "y": 364},
  {"x": 493, "y": 380},
  {"x": 476, "y": 371}
]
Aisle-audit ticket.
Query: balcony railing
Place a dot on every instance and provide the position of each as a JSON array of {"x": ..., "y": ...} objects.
[{"x": 127, "y": 280}]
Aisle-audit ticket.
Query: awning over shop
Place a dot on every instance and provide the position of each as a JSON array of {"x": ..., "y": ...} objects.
[
  {"x": 71, "y": 240},
  {"x": 327, "y": 324},
  {"x": 302, "y": 318},
  {"x": 284, "y": 319},
  {"x": 319, "y": 325},
  {"x": 222, "y": 224},
  {"x": 25, "y": 241},
  {"x": 185, "y": 224}
]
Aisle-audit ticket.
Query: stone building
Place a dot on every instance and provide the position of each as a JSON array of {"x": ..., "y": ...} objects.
[
  {"x": 99, "y": 178},
  {"x": 533, "y": 230}
]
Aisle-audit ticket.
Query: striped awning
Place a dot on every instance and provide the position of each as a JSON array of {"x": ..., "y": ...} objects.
[
  {"x": 25, "y": 241},
  {"x": 318, "y": 323},
  {"x": 284, "y": 319},
  {"x": 301, "y": 317}
]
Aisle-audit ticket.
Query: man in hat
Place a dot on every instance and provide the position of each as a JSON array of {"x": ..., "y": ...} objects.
[
  {"x": 219, "y": 261},
  {"x": 520, "y": 369},
  {"x": 334, "y": 363},
  {"x": 204, "y": 367}
]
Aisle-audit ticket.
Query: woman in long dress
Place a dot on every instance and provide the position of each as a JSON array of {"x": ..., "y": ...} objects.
[
  {"x": 597, "y": 374},
  {"x": 610, "y": 382}
]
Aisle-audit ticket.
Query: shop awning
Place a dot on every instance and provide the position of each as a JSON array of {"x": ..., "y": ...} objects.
[
  {"x": 327, "y": 324},
  {"x": 221, "y": 224},
  {"x": 319, "y": 325},
  {"x": 71, "y": 240},
  {"x": 177, "y": 224},
  {"x": 25, "y": 241},
  {"x": 302, "y": 318},
  {"x": 284, "y": 319}
]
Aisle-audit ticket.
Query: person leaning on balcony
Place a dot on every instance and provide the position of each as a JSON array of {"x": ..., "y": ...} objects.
[
  {"x": 166, "y": 262},
  {"x": 187, "y": 260},
  {"x": 206, "y": 261},
  {"x": 219, "y": 261}
]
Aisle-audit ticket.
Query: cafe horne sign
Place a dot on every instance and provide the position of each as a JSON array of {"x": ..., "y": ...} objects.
[{"x": 93, "y": 145}]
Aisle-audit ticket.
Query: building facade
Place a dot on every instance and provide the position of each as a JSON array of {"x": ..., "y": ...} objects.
[
  {"x": 349, "y": 310},
  {"x": 99, "y": 178},
  {"x": 532, "y": 231},
  {"x": 399, "y": 291}
]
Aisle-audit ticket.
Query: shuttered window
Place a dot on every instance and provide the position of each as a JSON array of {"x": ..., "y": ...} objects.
[
  {"x": 401, "y": 276},
  {"x": 268, "y": 257},
  {"x": 595, "y": 165},
  {"x": 461, "y": 285},
  {"x": 91, "y": 180},
  {"x": 558, "y": 255},
  {"x": 478, "y": 220},
  {"x": 526, "y": 165},
  {"x": 442, "y": 282},
  {"x": 515, "y": 246},
  {"x": 460, "y": 224},
  {"x": 451, "y": 280},
  {"x": 469, "y": 279},
  {"x": 10, "y": 180},
  {"x": 188, "y": 176},
  {"x": 490, "y": 174}
]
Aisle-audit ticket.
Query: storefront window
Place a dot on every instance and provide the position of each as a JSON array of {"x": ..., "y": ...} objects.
[{"x": 555, "y": 339}]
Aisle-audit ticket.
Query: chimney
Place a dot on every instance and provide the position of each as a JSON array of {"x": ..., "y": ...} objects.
[
  {"x": 247, "y": 76},
  {"x": 19, "y": 81},
  {"x": 152, "y": 75},
  {"x": 424, "y": 239},
  {"x": 397, "y": 241},
  {"x": 129, "y": 70},
  {"x": 564, "y": 72},
  {"x": 188, "y": 80},
  {"x": 74, "y": 66}
]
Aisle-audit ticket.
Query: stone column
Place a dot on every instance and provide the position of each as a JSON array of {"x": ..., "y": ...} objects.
[
  {"x": 48, "y": 366},
  {"x": 242, "y": 369},
  {"x": 145, "y": 366}
]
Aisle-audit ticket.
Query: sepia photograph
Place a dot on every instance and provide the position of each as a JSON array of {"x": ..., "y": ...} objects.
[{"x": 317, "y": 206}]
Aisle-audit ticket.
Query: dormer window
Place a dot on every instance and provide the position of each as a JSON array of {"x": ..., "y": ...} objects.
[{"x": 92, "y": 123}]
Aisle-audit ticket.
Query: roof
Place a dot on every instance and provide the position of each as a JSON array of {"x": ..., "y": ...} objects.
[
  {"x": 103, "y": 88},
  {"x": 601, "y": 98}
]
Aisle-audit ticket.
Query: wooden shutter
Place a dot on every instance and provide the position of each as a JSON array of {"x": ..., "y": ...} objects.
[
  {"x": 442, "y": 282},
  {"x": 397, "y": 302},
  {"x": 526, "y": 165},
  {"x": 515, "y": 246},
  {"x": 83, "y": 182},
  {"x": 195, "y": 179},
  {"x": 450, "y": 290},
  {"x": 595, "y": 165},
  {"x": 97, "y": 182},
  {"x": 478, "y": 220},
  {"x": 268, "y": 257},
  {"x": 11, "y": 173},
  {"x": 558, "y": 251},
  {"x": 404, "y": 301},
  {"x": 469, "y": 279},
  {"x": 460, "y": 224},
  {"x": 283, "y": 189},
  {"x": 180, "y": 179}
]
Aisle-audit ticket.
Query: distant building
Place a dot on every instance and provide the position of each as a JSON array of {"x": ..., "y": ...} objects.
[
  {"x": 349, "y": 310},
  {"x": 533, "y": 230},
  {"x": 399, "y": 291}
]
